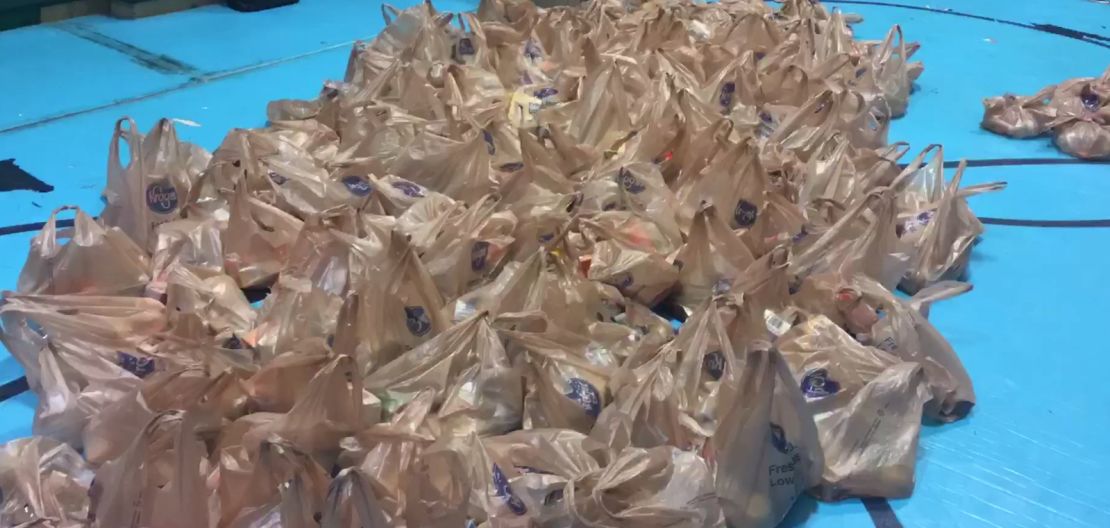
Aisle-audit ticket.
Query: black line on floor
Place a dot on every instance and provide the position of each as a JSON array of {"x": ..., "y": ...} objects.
[
  {"x": 881, "y": 513},
  {"x": 1020, "y": 222},
  {"x": 195, "y": 81},
  {"x": 14, "y": 178},
  {"x": 149, "y": 60},
  {"x": 13, "y": 388},
  {"x": 1052, "y": 29},
  {"x": 1017, "y": 162},
  {"x": 35, "y": 226}
]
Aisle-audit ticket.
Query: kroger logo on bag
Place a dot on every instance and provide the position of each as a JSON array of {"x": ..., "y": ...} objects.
[
  {"x": 629, "y": 182},
  {"x": 416, "y": 319},
  {"x": 502, "y": 489},
  {"x": 714, "y": 363},
  {"x": 778, "y": 439},
  {"x": 585, "y": 395},
  {"x": 816, "y": 384},
  {"x": 410, "y": 189},
  {"x": 161, "y": 197},
  {"x": 745, "y": 213},
  {"x": 478, "y": 254},
  {"x": 357, "y": 185}
]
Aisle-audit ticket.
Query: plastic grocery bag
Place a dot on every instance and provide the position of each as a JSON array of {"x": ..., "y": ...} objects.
[
  {"x": 257, "y": 240},
  {"x": 1017, "y": 116},
  {"x": 765, "y": 451},
  {"x": 332, "y": 406},
  {"x": 93, "y": 260},
  {"x": 626, "y": 256},
  {"x": 393, "y": 457},
  {"x": 942, "y": 232},
  {"x": 466, "y": 349},
  {"x": 711, "y": 260},
  {"x": 192, "y": 243},
  {"x": 645, "y": 411},
  {"x": 657, "y": 487},
  {"x": 79, "y": 353},
  {"x": 209, "y": 308},
  {"x": 867, "y": 405},
  {"x": 159, "y": 480},
  {"x": 44, "y": 481},
  {"x": 351, "y": 503},
  {"x": 566, "y": 385},
  {"x": 296, "y": 310},
  {"x": 1082, "y": 123},
  {"x": 905, "y": 331},
  {"x": 280, "y": 485},
  {"x": 152, "y": 187}
]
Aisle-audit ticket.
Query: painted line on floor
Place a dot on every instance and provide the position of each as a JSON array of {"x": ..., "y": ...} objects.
[
  {"x": 152, "y": 61},
  {"x": 1052, "y": 29},
  {"x": 196, "y": 81},
  {"x": 881, "y": 513},
  {"x": 13, "y": 388},
  {"x": 1020, "y": 222},
  {"x": 35, "y": 226}
]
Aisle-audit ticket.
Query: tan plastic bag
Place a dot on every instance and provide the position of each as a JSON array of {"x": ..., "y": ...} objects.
[
  {"x": 158, "y": 481},
  {"x": 1018, "y": 116},
  {"x": 194, "y": 244},
  {"x": 151, "y": 189},
  {"x": 642, "y": 488},
  {"x": 765, "y": 452},
  {"x": 867, "y": 405},
  {"x": 281, "y": 483},
  {"x": 351, "y": 503},
  {"x": 44, "y": 481},
  {"x": 257, "y": 240},
  {"x": 566, "y": 385},
  {"x": 93, "y": 261},
  {"x": 906, "y": 332},
  {"x": 711, "y": 260},
  {"x": 390, "y": 455}
]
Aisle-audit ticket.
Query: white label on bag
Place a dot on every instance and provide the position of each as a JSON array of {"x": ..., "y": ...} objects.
[
  {"x": 775, "y": 324},
  {"x": 463, "y": 310}
]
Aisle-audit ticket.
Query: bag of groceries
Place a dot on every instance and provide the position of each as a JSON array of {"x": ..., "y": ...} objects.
[
  {"x": 86, "y": 259},
  {"x": 44, "y": 481},
  {"x": 152, "y": 187}
]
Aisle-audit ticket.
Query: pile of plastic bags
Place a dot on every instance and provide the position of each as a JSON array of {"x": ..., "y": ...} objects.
[
  {"x": 467, "y": 246},
  {"x": 1076, "y": 112}
]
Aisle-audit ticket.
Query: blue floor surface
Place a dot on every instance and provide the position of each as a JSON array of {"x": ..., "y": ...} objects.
[{"x": 1035, "y": 449}]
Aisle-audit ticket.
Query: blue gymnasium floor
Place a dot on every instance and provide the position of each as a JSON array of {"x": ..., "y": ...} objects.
[{"x": 1035, "y": 451}]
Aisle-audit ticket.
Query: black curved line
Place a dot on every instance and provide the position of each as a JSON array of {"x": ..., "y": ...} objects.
[
  {"x": 1052, "y": 29},
  {"x": 881, "y": 513},
  {"x": 1015, "y": 162},
  {"x": 34, "y": 226},
  {"x": 1021, "y": 222},
  {"x": 13, "y": 388}
]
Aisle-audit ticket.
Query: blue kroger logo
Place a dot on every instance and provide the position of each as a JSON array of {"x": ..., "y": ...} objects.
[
  {"x": 532, "y": 51},
  {"x": 465, "y": 47},
  {"x": 410, "y": 189},
  {"x": 629, "y": 182},
  {"x": 816, "y": 384},
  {"x": 357, "y": 185},
  {"x": 489, "y": 142},
  {"x": 233, "y": 343},
  {"x": 478, "y": 253},
  {"x": 585, "y": 395},
  {"x": 625, "y": 281},
  {"x": 544, "y": 93},
  {"x": 714, "y": 364},
  {"x": 161, "y": 197},
  {"x": 727, "y": 90},
  {"x": 139, "y": 366},
  {"x": 745, "y": 213},
  {"x": 502, "y": 489},
  {"x": 416, "y": 319},
  {"x": 778, "y": 439},
  {"x": 1090, "y": 99},
  {"x": 277, "y": 178}
]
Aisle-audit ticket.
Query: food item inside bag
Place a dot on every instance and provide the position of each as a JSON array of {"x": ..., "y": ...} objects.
[{"x": 613, "y": 264}]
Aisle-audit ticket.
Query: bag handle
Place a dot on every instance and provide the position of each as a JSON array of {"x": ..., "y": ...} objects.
[
  {"x": 134, "y": 144},
  {"x": 801, "y": 263},
  {"x": 366, "y": 505},
  {"x": 975, "y": 190},
  {"x": 924, "y": 298},
  {"x": 919, "y": 161}
]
